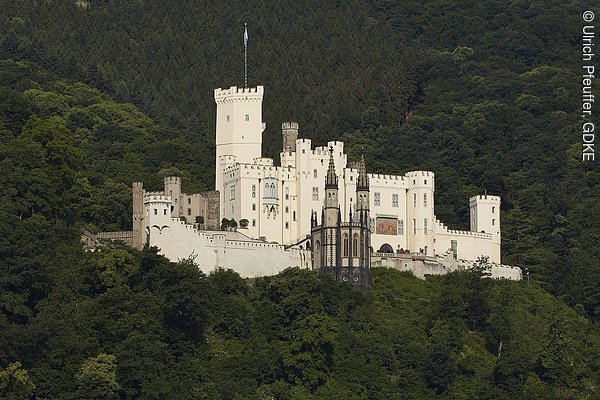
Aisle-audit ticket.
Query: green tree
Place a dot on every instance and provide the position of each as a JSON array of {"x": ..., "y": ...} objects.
[
  {"x": 15, "y": 383},
  {"x": 97, "y": 378}
]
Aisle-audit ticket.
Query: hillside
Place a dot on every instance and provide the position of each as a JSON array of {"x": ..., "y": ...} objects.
[
  {"x": 482, "y": 94},
  {"x": 485, "y": 94},
  {"x": 125, "y": 324}
]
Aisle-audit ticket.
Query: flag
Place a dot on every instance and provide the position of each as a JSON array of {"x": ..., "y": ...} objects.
[{"x": 245, "y": 35}]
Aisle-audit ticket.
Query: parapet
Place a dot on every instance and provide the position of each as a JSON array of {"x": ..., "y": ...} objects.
[
  {"x": 412, "y": 174},
  {"x": 156, "y": 197},
  {"x": 172, "y": 180},
  {"x": 289, "y": 125},
  {"x": 485, "y": 198},
  {"x": 234, "y": 94}
]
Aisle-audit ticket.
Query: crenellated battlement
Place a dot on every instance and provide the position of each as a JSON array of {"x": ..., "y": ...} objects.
[
  {"x": 172, "y": 180},
  {"x": 236, "y": 94},
  {"x": 484, "y": 197},
  {"x": 373, "y": 177},
  {"x": 156, "y": 197},
  {"x": 412, "y": 174},
  {"x": 289, "y": 125}
]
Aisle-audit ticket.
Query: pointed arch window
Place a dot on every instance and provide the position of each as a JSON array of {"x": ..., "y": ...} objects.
[
  {"x": 345, "y": 245},
  {"x": 355, "y": 245}
]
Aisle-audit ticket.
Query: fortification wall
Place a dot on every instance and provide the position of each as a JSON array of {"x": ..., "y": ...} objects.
[
  {"x": 250, "y": 259},
  {"x": 470, "y": 245},
  {"x": 422, "y": 266}
]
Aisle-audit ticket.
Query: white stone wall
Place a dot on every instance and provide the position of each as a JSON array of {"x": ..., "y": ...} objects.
[
  {"x": 421, "y": 266},
  {"x": 178, "y": 240}
]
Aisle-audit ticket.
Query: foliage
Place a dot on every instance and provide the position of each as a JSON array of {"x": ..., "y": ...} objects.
[
  {"x": 481, "y": 93},
  {"x": 15, "y": 383}
]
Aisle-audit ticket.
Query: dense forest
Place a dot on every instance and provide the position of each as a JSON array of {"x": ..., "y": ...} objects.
[{"x": 97, "y": 94}]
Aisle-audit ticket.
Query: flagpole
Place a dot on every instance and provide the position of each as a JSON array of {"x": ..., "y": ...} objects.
[{"x": 245, "y": 56}]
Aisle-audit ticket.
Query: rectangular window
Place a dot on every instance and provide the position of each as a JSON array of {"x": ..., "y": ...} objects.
[
  {"x": 377, "y": 199},
  {"x": 155, "y": 211},
  {"x": 189, "y": 201},
  {"x": 232, "y": 193},
  {"x": 287, "y": 225},
  {"x": 400, "y": 227},
  {"x": 253, "y": 206},
  {"x": 425, "y": 226},
  {"x": 424, "y": 199},
  {"x": 394, "y": 200},
  {"x": 493, "y": 222},
  {"x": 253, "y": 222},
  {"x": 247, "y": 117},
  {"x": 253, "y": 191},
  {"x": 228, "y": 118},
  {"x": 414, "y": 199},
  {"x": 414, "y": 226},
  {"x": 189, "y": 211},
  {"x": 287, "y": 210},
  {"x": 165, "y": 211},
  {"x": 287, "y": 193},
  {"x": 315, "y": 173},
  {"x": 315, "y": 193},
  {"x": 493, "y": 209}
]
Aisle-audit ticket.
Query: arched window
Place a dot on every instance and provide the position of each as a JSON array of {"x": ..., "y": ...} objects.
[
  {"x": 355, "y": 245},
  {"x": 317, "y": 247},
  {"x": 386, "y": 248},
  {"x": 345, "y": 245}
]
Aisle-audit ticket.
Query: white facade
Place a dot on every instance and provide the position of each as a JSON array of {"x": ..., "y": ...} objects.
[
  {"x": 212, "y": 249},
  {"x": 277, "y": 201}
]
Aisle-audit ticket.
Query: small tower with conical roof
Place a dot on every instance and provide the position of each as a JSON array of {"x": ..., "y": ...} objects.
[
  {"x": 331, "y": 194},
  {"x": 363, "y": 211}
]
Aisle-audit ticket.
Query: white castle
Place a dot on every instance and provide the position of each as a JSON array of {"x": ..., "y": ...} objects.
[{"x": 278, "y": 202}]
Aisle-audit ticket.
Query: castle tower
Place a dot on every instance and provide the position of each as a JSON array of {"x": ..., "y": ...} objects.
[
  {"x": 420, "y": 211},
  {"x": 331, "y": 194},
  {"x": 239, "y": 127},
  {"x": 157, "y": 209},
  {"x": 485, "y": 217},
  {"x": 173, "y": 189},
  {"x": 138, "y": 215},
  {"x": 289, "y": 131},
  {"x": 363, "y": 214},
  {"x": 330, "y": 224}
]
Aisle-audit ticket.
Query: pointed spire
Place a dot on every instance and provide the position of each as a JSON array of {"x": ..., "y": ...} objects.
[
  {"x": 332, "y": 181},
  {"x": 363, "y": 179}
]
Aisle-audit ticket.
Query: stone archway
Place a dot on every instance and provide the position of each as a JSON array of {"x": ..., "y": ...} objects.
[{"x": 386, "y": 248}]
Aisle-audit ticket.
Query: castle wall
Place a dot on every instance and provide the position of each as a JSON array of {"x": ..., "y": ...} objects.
[
  {"x": 178, "y": 240},
  {"x": 422, "y": 266},
  {"x": 470, "y": 245}
]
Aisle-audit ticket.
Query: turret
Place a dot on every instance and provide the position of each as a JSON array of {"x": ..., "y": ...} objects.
[
  {"x": 289, "y": 131},
  {"x": 173, "y": 189},
  {"x": 362, "y": 188},
  {"x": 331, "y": 194},
  {"x": 485, "y": 217},
  {"x": 362, "y": 209},
  {"x": 420, "y": 211},
  {"x": 138, "y": 215}
]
